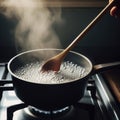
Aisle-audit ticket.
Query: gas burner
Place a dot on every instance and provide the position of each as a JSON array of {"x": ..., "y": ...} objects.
[
  {"x": 60, "y": 112},
  {"x": 73, "y": 112}
]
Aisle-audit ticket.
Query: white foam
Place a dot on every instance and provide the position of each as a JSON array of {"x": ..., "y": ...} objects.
[{"x": 68, "y": 72}]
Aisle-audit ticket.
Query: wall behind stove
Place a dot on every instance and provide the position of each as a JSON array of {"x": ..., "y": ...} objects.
[{"x": 101, "y": 44}]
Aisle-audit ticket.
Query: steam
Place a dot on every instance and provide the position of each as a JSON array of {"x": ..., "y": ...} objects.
[{"x": 35, "y": 21}]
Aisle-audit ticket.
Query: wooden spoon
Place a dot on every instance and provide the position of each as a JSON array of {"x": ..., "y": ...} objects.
[{"x": 55, "y": 62}]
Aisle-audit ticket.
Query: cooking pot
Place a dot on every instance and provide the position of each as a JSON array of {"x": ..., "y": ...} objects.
[{"x": 46, "y": 96}]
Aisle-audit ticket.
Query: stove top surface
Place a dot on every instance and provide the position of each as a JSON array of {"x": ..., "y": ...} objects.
[{"x": 93, "y": 106}]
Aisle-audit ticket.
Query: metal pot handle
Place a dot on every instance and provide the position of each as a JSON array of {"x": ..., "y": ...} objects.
[{"x": 106, "y": 66}]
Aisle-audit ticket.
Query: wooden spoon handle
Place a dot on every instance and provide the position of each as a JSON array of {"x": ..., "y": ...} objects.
[{"x": 90, "y": 25}]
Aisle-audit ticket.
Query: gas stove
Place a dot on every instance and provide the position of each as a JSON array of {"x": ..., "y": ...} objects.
[{"x": 97, "y": 104}]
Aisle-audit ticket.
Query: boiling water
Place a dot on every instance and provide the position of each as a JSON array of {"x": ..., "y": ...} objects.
[{"x": 68, "y": 72}]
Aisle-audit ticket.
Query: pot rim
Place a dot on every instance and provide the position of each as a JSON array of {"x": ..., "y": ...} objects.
[{"x": 35, "y": 50}]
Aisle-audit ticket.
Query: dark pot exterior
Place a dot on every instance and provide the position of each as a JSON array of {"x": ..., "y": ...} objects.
[{"x": 49, "y": 96}]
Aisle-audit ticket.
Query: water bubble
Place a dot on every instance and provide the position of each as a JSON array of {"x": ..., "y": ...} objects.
[{"x": 68, "y": 72}]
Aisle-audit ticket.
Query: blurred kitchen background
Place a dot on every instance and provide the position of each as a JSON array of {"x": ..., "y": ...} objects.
[{"x": 101, "y": 44}]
